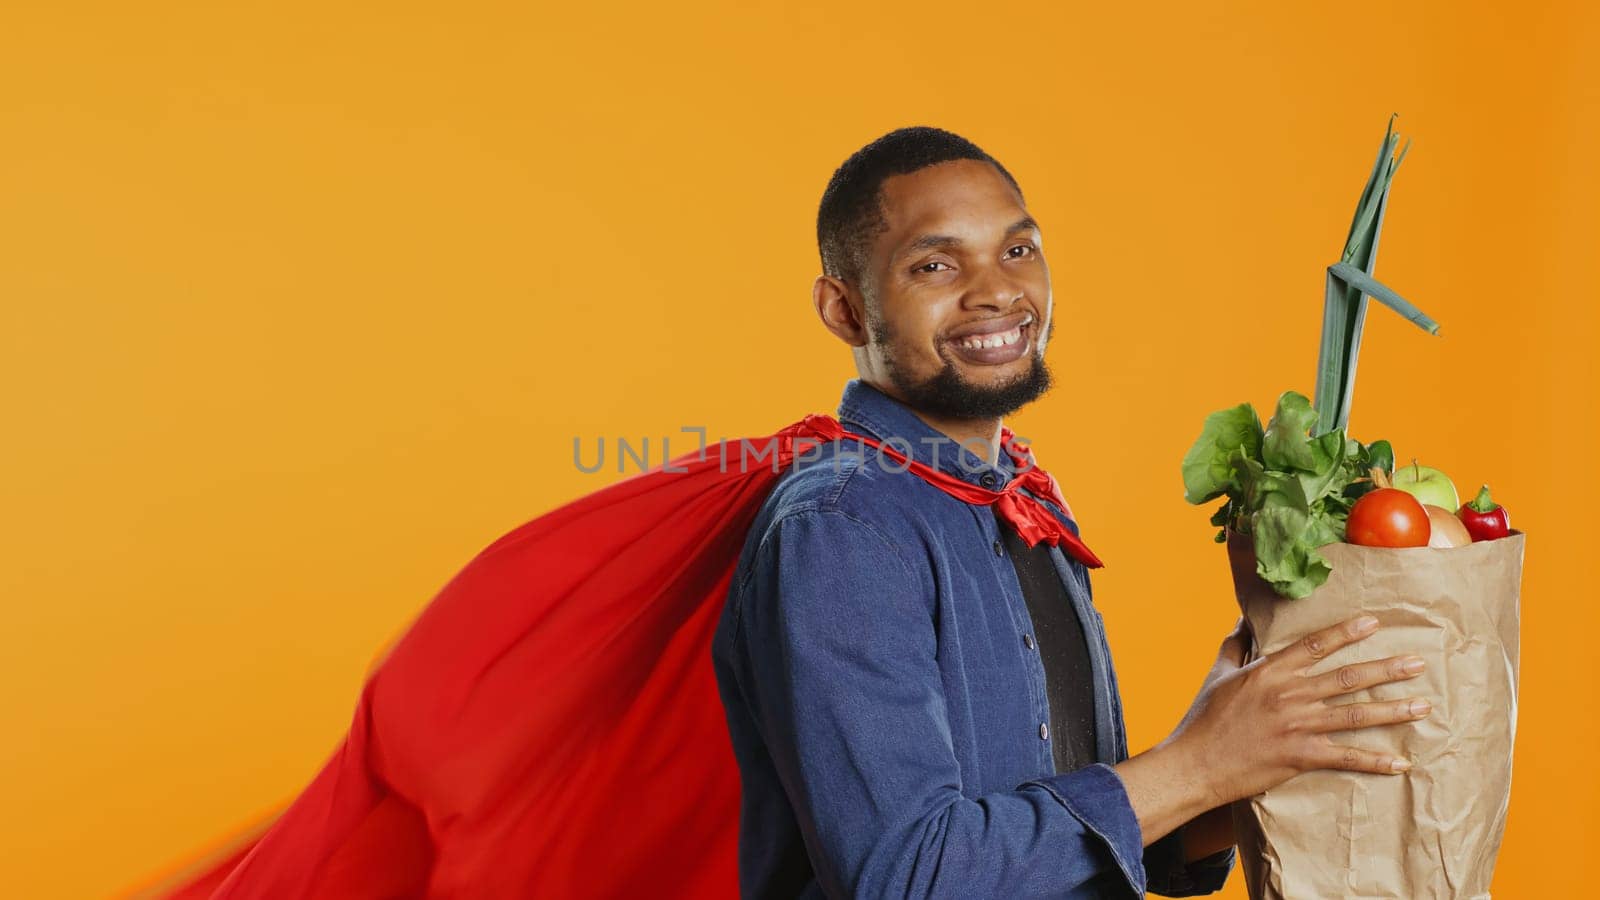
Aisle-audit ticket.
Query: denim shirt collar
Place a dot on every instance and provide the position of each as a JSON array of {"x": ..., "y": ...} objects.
[{"x": 868, "y": 410}]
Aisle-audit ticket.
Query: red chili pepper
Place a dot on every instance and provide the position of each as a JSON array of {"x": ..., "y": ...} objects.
[{"x": 1484, "y": 518}]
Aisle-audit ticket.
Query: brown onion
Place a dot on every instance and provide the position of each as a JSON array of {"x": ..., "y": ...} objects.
[{"x": 1447, "y": 529}]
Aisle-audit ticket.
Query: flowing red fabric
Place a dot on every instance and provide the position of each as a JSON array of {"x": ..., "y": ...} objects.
[{"x": 550, "y": 725}]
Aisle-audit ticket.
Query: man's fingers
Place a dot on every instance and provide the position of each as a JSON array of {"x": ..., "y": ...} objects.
[
  {"x": 1365, "y": 715},
  {"x": 1354, "y": 759},
  {"x": 1319, "y": 644},
  {"x": 1356, "y": 676}
]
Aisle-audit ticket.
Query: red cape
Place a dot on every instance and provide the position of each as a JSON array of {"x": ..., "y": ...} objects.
[{"x": 550, "y": 725}]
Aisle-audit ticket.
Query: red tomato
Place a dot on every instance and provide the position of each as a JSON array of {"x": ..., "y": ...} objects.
[{"x": 1388, "y": 517}]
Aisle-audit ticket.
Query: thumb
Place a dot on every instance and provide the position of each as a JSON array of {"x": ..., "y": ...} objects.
[{"x": 1234, "y": 647}]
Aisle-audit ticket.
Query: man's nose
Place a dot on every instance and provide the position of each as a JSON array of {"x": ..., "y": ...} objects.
[{"x": 992, "y": 288}]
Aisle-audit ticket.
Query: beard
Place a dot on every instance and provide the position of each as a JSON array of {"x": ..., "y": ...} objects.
[{"x": 948, "y": 395}]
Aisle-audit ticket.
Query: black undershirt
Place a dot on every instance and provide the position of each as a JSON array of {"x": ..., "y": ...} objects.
[{"x": 1058, "y": 638}]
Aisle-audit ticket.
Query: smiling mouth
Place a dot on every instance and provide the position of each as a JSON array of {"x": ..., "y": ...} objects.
[
  {"x": 990, "y": 348},
  {"x": 989, "y": 341}
]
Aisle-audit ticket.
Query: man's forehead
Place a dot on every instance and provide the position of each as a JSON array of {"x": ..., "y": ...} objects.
[{"x": 966, "y": 199}]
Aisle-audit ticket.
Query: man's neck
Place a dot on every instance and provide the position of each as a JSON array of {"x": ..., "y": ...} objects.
[{"x": 981, "y": 437}]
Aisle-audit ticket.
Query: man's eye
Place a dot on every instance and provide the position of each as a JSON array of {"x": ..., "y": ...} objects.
[
  {"x": 924, "y": 266},
  {"x": 1027, "y": 247}
]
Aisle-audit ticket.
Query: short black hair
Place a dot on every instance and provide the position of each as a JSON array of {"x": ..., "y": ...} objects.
[{"x": 851, "y": 213}]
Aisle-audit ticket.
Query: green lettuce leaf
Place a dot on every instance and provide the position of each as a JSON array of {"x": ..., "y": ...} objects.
[
  {"x": 1285, "y": 444},
  {"x": 1207, "y": 470},
  {"x": 1330, "y": 472},
  {"x": 1286, "y": 540}
]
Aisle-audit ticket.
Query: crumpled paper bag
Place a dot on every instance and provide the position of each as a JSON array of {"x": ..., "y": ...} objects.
[{"x": 1434, "y": 831}]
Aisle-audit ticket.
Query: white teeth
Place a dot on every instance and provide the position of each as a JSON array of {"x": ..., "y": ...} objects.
[{"x": 985, "y": 342}]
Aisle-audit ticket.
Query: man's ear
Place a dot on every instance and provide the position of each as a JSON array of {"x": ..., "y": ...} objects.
[{"x": 839, "y": 309}]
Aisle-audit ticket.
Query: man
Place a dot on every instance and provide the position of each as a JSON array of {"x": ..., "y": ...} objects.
[{"x": 920, "y": 703}]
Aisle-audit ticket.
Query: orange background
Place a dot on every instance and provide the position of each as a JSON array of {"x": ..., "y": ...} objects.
[{"x": 304, "y": 305}]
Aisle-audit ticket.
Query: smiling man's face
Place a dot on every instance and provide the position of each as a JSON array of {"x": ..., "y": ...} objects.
[{"x": 957, "y": 295}]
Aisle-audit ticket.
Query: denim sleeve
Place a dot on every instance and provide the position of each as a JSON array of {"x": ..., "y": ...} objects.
[
  {"x": 838, "y": 659},
  {"x": 1170, "y": 876}
]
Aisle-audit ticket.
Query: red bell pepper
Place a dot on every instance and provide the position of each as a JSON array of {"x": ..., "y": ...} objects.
[{"x": 1484, "y": 518}]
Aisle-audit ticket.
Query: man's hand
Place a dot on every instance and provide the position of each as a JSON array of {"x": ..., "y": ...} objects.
[
  {"x": 1255, "y": 726},
  {"x": 1261, "y": 724}
]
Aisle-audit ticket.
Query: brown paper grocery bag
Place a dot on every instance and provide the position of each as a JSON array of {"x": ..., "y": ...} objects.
[{"x": 1434, "y": 831}]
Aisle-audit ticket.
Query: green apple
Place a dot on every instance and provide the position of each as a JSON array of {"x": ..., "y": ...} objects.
[{"x": 1428, "y": 485}]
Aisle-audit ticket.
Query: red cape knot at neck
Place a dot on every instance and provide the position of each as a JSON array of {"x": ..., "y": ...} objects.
[
  {"x": 1031, "y": 519},
  {"x": 815, "y": 425}
]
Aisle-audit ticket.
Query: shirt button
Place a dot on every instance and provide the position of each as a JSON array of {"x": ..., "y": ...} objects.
[
  {"x": 1044, "y": 732},
  {"x": 999, "y": 549},
  {"x": 1027, "y": 641},
  {"x": 988, "y": 480}
]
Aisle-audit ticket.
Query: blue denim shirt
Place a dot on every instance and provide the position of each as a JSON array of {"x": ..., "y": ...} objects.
[{"x": 888, "y": 717}]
